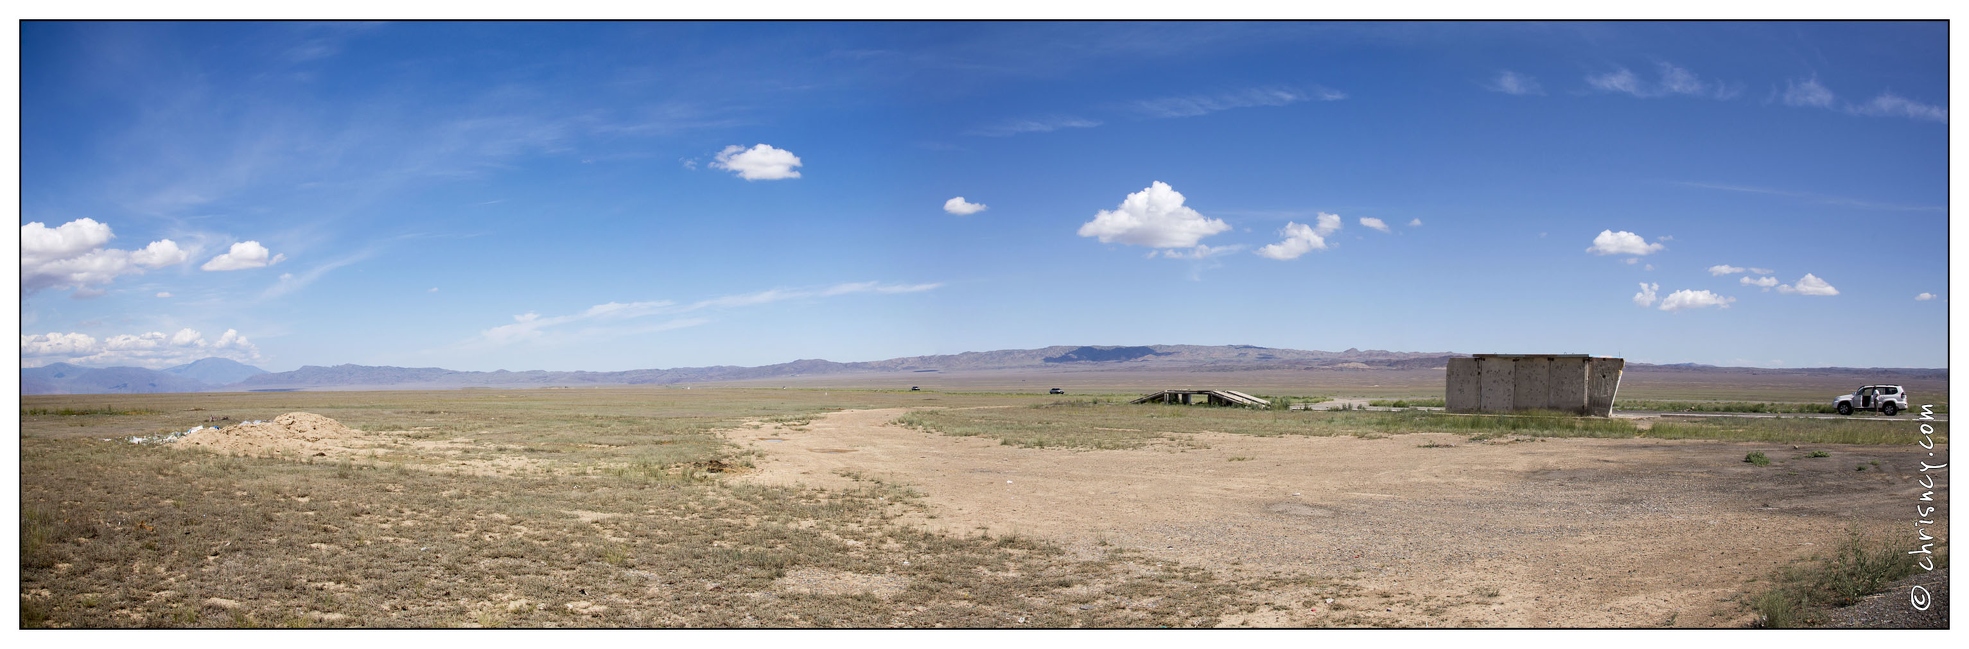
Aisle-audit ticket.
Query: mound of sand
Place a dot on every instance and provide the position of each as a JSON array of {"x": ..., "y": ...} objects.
[{"x": 294, "y": 433}]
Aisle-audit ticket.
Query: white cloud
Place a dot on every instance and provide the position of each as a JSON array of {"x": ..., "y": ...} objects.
[
  {"x": 1761, "y": 271},
  {"x": 160, "y": 254},
  {"x": 1631, "y": 261},
  {"x": 72, "y": 256},
  {"x": 1924, "y": 297},
  {"x": 1760, "y": 282},
  {"x": 606, "y": 318},
  {"x": 1646, "y": 298},
  {"x": 1378, "y": 224},
  {"x": 434, "y": 289},
  {"x": 1807, "y": 93},
  {"x": 1012, "y": 127},
  {"x": 41, "y": 244},
  {"x": 1622, "y": 243},
  {"x": 961, "y": 207},
  {"x": 1808, "y": 285},
  {"x": 1512, "y": 83},
  {"x": 761, "y": 162},
  {"x": 154, "y": 350},
  {"x": 164, "y": 294},
  {"x": 1195, "y": 105},
  {"x": 1301, "y": 238},
  {"x": 1154, "y": 217},
  {"x": 1416, "y": 223},
  {"x": 1687, "y": 299},
  {"x": 242, "y": 256},
  {"x": 1720, "y": 270},
  {"x": 1891, "y": 105},
  {"x": 1673, "y": 81}
]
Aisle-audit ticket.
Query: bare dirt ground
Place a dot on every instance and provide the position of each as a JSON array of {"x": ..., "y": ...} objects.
[{"x": 1434, "y": 529}]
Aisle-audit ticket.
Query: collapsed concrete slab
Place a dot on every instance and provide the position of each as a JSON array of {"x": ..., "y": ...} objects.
[{"x": 1575, "y": 383}]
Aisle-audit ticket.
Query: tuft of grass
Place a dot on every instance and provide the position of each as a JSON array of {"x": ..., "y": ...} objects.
[
  {"x": 1801, "y": 595},
  {"x": 1757, "y": 458},
  {"x": 1412, "y": 402},
  {"x": 1818, "y": 454}
]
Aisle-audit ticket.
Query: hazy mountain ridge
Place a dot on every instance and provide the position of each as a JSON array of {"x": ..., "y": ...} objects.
[
  {"x": 216, "y": 371},
  {"x": 62, "y": 378}
]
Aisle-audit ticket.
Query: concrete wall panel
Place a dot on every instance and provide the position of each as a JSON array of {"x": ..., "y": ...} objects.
[
  {"x": 1566, "y": 385},
  {"x": 1460, "y": 385},
  {"x": 1528, "y": 379},
  {"x": 1495, "y": 378},
  {"x": 1602, "y": 382}
]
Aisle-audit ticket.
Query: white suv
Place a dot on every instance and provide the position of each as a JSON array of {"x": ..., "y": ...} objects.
[{"x": 1890, "y": 400}]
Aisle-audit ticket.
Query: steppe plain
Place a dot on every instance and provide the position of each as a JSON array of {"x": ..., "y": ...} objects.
[{"x": 980, "y": 501}]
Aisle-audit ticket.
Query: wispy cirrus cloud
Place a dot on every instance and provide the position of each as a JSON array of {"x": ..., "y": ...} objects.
[
  {"x": 1818, "y": 198},
  {"x": 1195, "y": 105},
  {"x": 614, "y": 318},
  {"x": 1810, "y": 93},
  {"x": 1888, "y": 104},
  {"x": 1047, "y": 124},
  {"x": 1670, "y": 80},
  {"x": 1514, "y": 83}
]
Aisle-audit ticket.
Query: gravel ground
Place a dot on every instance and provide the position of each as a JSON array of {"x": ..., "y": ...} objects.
[
  {"x": 1434, "y": 529},
  {"x": 1891, "y": 609}
]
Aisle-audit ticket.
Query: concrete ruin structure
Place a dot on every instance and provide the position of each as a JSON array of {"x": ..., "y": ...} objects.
[
  {"x": 1575, "y": 383},
  {"x": 1212, "y": 397}
]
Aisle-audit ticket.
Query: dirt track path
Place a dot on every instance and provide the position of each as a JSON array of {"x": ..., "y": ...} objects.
[{"x": 1561, "y": 532}]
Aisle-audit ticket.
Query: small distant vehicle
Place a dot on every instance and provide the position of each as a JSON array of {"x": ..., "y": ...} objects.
[
  {"x": 1890, "y": 400},
  {"x": 915, "y": 388},
  {"x": 1056, "y": 391}
]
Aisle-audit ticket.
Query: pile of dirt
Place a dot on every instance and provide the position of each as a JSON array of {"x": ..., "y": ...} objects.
[{"x": 291, "y": 434}]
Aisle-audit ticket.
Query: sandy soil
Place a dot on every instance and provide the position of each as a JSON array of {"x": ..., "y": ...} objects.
[
  {"x": 303, "y": 435},
  {"x": 1559, "y": 532}
]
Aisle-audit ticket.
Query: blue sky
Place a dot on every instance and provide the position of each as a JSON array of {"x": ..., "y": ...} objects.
[{"x": 609, "y": 196}]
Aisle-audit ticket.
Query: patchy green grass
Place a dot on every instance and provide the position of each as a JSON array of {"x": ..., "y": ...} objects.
[
  {"x": 1757, "y": 458},
  {"x": 1723, "y": 406},
  {"x": 1096, "y": 425},
  {"x": 1801, "y": 595},
  {"x": 1794, "y": 430}
]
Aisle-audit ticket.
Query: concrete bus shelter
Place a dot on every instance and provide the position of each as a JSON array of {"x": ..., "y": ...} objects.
[{"x": 1576, "y": 383}]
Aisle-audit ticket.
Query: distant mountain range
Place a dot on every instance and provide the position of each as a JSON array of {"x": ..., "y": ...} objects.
[
  {"x": 217, "y": 374},
  {"x": 199, "y": 376}
]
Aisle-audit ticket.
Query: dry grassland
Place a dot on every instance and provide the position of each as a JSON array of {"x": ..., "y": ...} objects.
[
  {"x": 617, "y": 514},
  {"x": 764, "y": 507}
]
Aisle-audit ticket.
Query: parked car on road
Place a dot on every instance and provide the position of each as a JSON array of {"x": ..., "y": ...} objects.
[{"x": 1890, "y": 400}]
